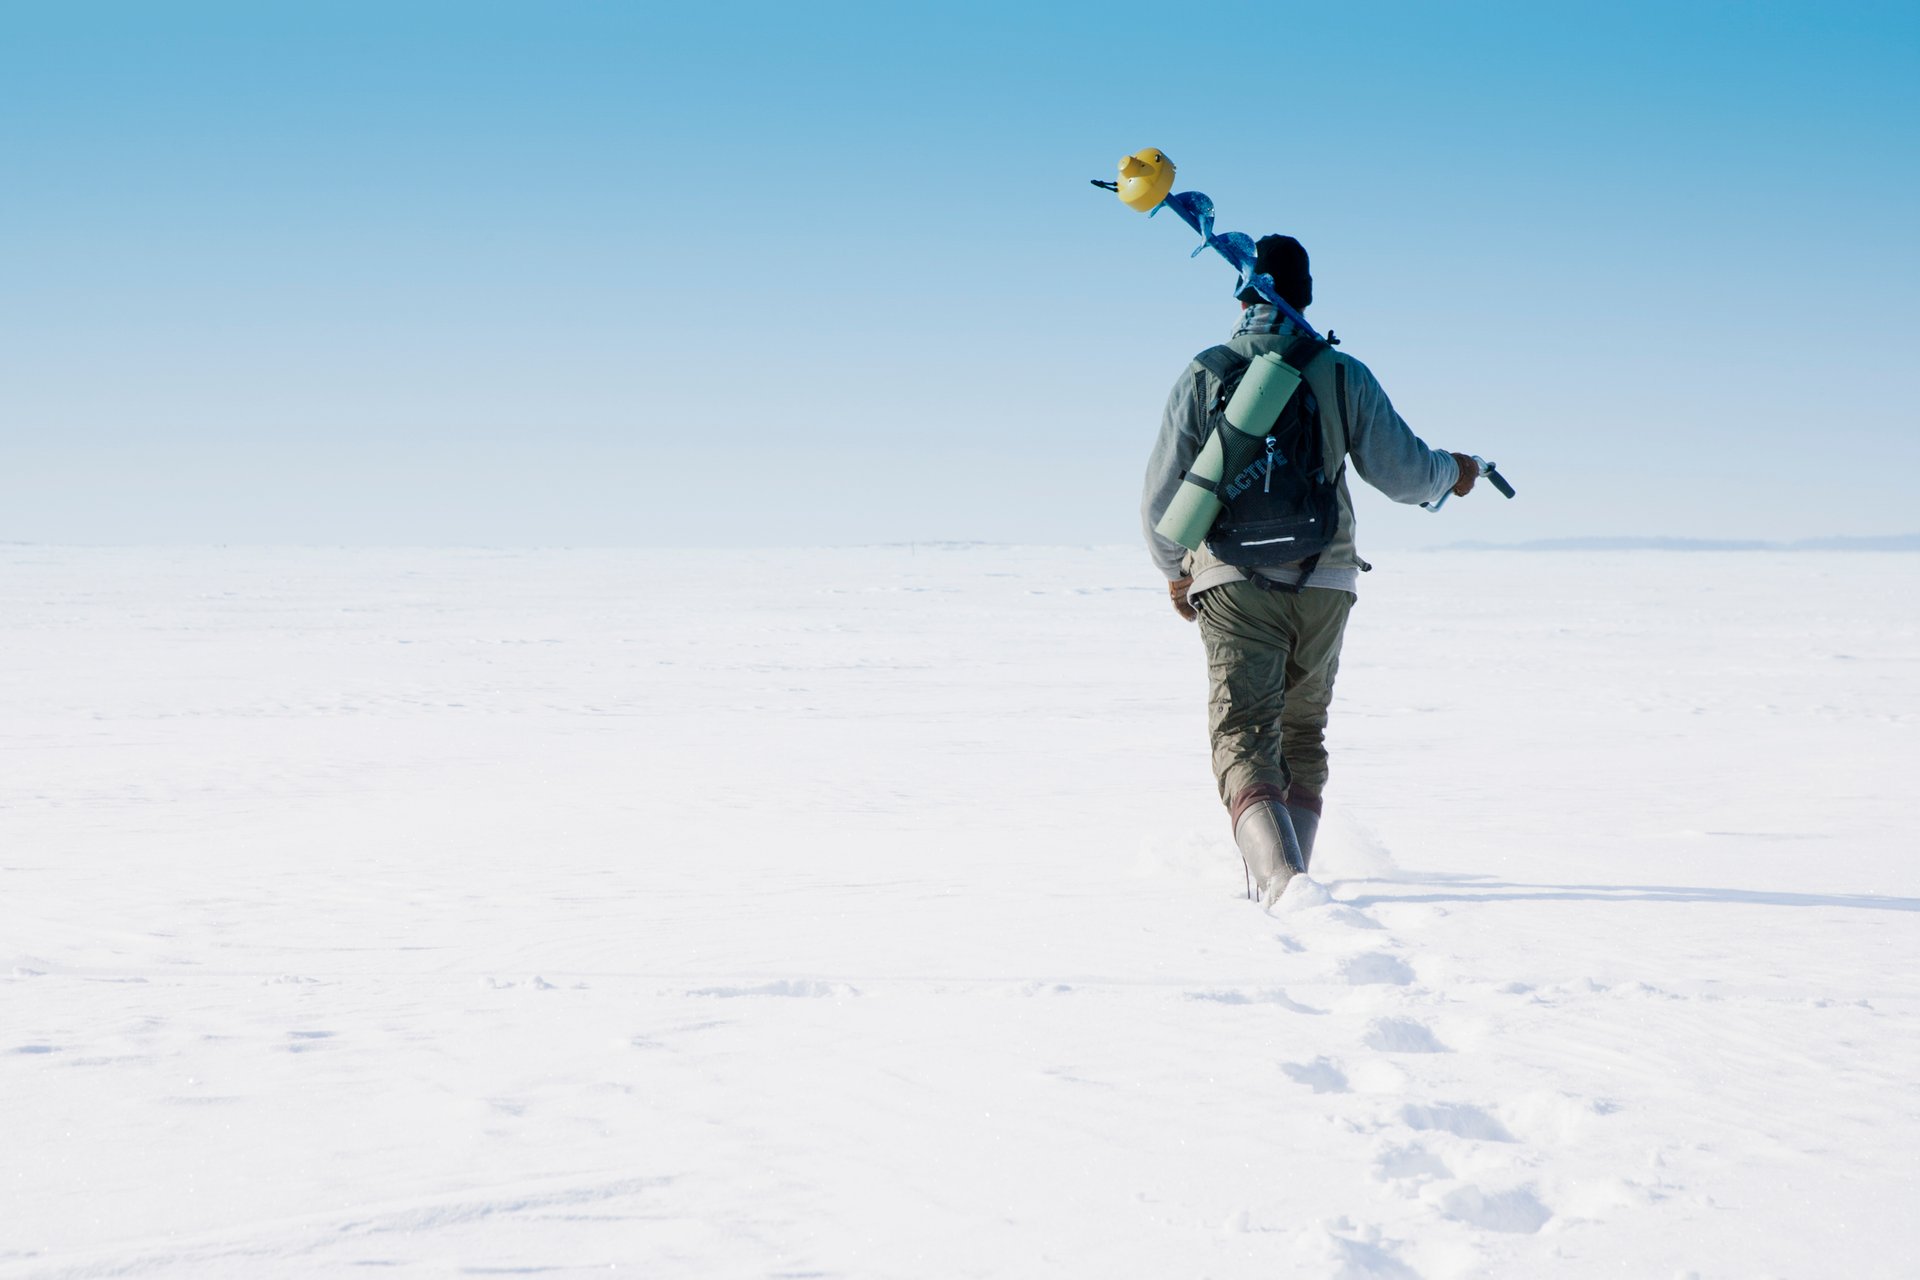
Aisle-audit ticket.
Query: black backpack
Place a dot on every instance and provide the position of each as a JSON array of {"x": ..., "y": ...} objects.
[{"x": 1280, "y": 504}]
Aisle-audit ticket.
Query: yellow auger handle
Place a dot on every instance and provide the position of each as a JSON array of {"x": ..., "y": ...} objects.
[{"x": 1146, "y": 177}]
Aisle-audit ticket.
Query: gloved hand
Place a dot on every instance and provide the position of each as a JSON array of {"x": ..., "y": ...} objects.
[
  {"x": 1469, "y": 472},
  {"x": 1178, "y": 590}
]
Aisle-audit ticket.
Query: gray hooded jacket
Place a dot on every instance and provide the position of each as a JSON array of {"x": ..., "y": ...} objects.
[{"x": 1357, "y": 422}]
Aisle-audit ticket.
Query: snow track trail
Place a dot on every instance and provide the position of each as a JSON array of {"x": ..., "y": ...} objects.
[{"x": 469, "y": 913}]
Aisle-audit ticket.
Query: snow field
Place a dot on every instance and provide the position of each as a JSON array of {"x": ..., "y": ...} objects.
[{"x": 869, "y": 913}]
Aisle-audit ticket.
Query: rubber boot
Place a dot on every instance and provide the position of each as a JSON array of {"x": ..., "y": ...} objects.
[
  {"x": 1306, "y": 825},
  {"x": 1267, "y": 842}
]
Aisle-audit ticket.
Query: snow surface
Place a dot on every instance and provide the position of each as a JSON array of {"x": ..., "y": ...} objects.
[{"x": 869, "y": 913}]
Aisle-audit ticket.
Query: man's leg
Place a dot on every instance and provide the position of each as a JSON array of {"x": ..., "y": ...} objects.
[
  {"x": 1248, "y": 633},
  {"x": 1248, "y": 645},
  {"x": 1312, "y": 663}
]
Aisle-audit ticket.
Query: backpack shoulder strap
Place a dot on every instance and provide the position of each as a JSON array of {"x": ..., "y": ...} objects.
[
  {"x": 1226, "y": 365},
  {"x": 1328, "y": 378},
  {"x": 1303, "y": 351},
  {"x": 1221, "y": 361}
]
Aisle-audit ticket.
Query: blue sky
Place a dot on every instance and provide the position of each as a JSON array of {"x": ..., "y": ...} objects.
[{"x": 590, "y": 273}]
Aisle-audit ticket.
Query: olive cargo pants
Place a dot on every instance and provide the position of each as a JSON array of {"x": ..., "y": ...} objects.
[{"x": 1271, "y": 659}]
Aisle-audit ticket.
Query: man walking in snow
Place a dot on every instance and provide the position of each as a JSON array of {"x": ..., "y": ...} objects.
[{"x": 1273, "y": 632}]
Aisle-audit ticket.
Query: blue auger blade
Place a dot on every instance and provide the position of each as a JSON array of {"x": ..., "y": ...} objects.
[
  {"x": 1237, "y": 248},
  {"x": 1195, "y": 208},
  {"x": 1263, "y": 285}
]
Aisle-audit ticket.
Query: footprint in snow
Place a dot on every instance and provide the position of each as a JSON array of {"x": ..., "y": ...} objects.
[
  {"x": 1402, "y": 1035},
  {"x": 1307, "y": 901},
  {"x": 1376, "y": 968},
  {"x": 1318, "y": 1251},
  {"x": 1517, "y": 1210},
  {"x": 1461, "y": 1119},
  {"x": 1262, "y": 995},
  {"x": 1320, "y": 1075},
  {"x": 1410, "y": 1162}
]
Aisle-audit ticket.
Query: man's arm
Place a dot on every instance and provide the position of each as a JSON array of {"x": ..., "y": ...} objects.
[
  {"x": 1181, "y": 427},
  {"x": 1385, "y": 451}
]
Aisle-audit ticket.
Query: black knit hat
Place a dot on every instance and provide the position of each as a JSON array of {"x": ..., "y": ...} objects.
[{"x": 1285, "y": 259}]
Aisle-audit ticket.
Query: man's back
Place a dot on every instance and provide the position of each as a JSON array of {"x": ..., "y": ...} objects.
[{"x": 1357, "y": 421}]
